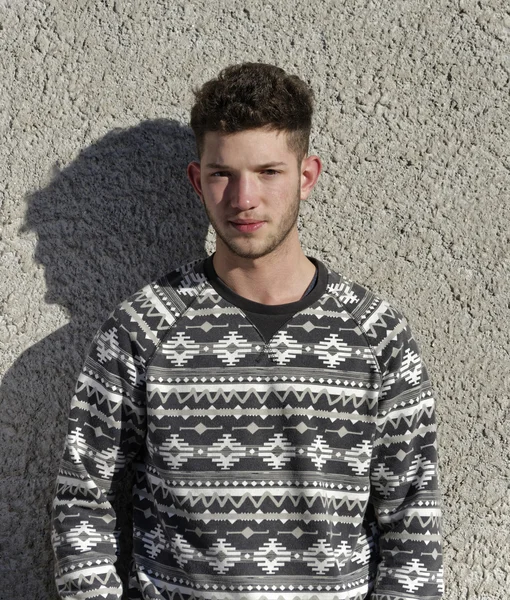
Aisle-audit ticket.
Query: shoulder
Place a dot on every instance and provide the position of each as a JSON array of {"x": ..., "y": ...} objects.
[
  {"x": 142, "y": 320},
  {"x": 384, "y": 326},
  {"x": 372, "y": 313}
]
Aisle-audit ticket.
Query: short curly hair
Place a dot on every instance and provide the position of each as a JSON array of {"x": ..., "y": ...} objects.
[{"x": 252, "y": 96}]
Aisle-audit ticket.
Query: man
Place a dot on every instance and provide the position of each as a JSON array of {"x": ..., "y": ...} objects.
[{"x": 279, "y": 417}]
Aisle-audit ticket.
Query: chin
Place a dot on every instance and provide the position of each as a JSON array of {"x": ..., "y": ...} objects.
[{"x": 245, "y": 251}]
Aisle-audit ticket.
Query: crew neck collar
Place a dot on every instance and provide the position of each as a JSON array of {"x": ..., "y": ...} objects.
[{"x": 257, "y": 307}]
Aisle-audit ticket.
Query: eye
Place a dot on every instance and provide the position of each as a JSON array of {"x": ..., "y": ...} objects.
[
  {"x": 220, "y": 174},
  {"x": 270, "y": 172}
]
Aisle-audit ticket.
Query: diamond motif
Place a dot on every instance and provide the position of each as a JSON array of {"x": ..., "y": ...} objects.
[
  {"x": 227, "y": 451},
  {"x": 175, "y": 451},
  {"x": 247, "y": 532},
  {"x": 321, "y": 557},
  {"x": 231, "y": 348},
  {"x": 271, "y": 556},
  {"x": 181, "y": 550},
  {"x": 284, "y": 348},
  {"x": 319, "y": 452},
  {"x": 180, "y": 349},
  {"x": 359, "y": 457},
  {"x": 277, "y": 451},
  {"x": 308, "y": 327},
  {"x": 401, "y": 455},
  {"x": 223, "y": 556},
  {"x": 83, "y": 537},
  {"x": 302, "y": 427},
  {"x": 332, "y": 351}
]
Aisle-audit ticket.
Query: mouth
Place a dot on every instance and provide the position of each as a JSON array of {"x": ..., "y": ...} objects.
[{"x": 246, "y": 226}]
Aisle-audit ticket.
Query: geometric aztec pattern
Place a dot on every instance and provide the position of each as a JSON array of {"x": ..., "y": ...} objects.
[{"x": 299, "y": 468}]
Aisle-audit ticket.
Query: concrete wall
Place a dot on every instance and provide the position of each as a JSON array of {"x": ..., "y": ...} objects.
[{"x": 412, "y": 107}]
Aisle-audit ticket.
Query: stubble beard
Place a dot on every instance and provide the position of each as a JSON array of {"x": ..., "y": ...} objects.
[{"x": 266, "y": 246}]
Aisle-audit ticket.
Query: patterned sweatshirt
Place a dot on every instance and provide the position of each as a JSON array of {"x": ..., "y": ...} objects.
[{"x": 297, "y": 467}]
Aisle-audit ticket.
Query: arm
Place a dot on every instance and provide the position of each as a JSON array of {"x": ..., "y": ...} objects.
[
  {"x": 404, "y": 475},
  {"x": 106, "y": 430}
]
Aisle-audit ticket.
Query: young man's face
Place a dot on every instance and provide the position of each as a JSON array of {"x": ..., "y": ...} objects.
[{"x": 251, "y": 184}]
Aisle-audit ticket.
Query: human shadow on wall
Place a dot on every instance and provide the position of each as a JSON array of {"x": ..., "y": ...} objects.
[{"x": 121, "y": 214}]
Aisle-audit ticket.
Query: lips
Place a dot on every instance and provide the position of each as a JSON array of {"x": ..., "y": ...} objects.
[{"x": 247, "y": 226}]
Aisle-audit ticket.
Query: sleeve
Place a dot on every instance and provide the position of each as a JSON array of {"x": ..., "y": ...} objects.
[
  {"x": 106, "y": 429},
  {"x": 404, "y": 475}
]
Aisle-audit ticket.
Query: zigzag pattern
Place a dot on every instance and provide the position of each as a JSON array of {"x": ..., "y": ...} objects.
[
  {"x": 274, "y": 496},
  {"x": 95, "y": 399},
  {"x": 304, "y": 394},
  {"x": 409, "y": 416}
]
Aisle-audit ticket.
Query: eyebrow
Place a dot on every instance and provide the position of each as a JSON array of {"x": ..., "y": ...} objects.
[{"x": 269, "y": 165}]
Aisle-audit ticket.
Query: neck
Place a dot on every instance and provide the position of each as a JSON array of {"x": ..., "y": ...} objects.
[{"x": 273, "y": 279}]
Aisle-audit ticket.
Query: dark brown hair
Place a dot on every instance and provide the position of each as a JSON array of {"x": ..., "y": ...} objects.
[{"x": 252, "y": 96}]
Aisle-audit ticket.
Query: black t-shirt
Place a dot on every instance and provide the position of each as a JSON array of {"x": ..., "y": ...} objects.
[{"x": 269, "y": 318}]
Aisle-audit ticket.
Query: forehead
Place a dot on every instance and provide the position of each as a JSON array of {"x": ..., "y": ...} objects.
[{"x": 260, "y": 144}]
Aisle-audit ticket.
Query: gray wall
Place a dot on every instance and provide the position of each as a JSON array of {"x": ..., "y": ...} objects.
[{"x": 412, "y": 107}]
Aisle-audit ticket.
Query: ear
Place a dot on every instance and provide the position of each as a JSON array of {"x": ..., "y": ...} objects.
[
  {"x": 193, "y": 172},
  {"x": 311, "y": 167}
]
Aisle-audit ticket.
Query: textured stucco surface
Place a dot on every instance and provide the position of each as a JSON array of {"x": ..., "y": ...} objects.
[{"x": 412, "y": 124}]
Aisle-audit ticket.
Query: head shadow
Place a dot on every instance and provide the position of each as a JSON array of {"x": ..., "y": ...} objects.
[{"x": 121, "y": 214}]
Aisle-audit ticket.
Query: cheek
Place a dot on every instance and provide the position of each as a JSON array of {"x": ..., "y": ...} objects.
[
  {"x": 276, "y": 188},
  {"x": 216, "y": 193}
]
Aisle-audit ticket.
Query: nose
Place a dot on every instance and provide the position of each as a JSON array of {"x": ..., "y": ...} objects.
[{"x": 244, "y": 193}]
